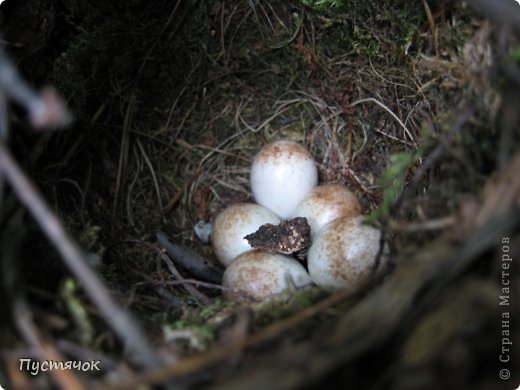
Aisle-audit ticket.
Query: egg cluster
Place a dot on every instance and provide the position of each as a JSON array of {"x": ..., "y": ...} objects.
[{"x": 284, "y": 180}]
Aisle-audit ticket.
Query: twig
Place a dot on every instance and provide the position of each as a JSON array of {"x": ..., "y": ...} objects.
[
  {"x": 412, "y": 227},
  {"x": 299, "y": 24},
  {"x": 200, "y": 297},
  {"x": 189, "y": 288},
  {"x": 123, "y": 155},
  {"x": 195, "y": 282},
  {"x": 222, "y": 32},
  {"x": 190, "y": 260},
  {"x": 45, "y": 109},
  {"x": 44, "y": 351},
  {"x": 431, "y": 23},
  {"x": 175, "y": 302},
  {"x": 173, "y": 201},
  {"x": 120, "y": 321},
  {"x": 149, "y": 54},
  {"x": 435, "y": 154}
]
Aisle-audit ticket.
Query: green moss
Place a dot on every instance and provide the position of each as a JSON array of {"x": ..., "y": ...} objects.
[
  {"x": 516, "y": 54},
  {"x": 376, "y": 29},
  {"x": 321, "y": 4},
  {"x": 197, "y": 329},
  {"x": 78, "y": 312},
  {"x": 393, "y": 181},
  {"x": 191, "y": 335},
  {"x": 209, "y": 311}
]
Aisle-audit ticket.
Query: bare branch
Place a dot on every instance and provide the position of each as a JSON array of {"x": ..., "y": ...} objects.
[
  {"x": 45, "y": 110},
  {"x": 120, "y": 321}
]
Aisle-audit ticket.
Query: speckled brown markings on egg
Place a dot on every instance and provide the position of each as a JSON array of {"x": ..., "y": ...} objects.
[
  {"x": 343, "y": 254},
  {"x": 357, "y": 270},
  {"x": 287, "y": 237},
  {"x": 259, "y": 274},
  {"x": 337, "y": 260},
  {"x": 288, "y": 149},
  {"x": 230, "y": 226},
  {"x": 325, "y": 203},
  {"x": 329, "y": 193},
  {"x": 281, "y": 174},
  {"x": 257, "y": 281}
]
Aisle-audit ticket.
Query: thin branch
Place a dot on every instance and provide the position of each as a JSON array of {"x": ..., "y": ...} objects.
[
  {"x": 200, "y": 297},
  {"x": 195, "y": 282},
  {"x": 44, "y": 350},
  {"x": 121, "y": 322},
  {"x": 46, "y": 109}
]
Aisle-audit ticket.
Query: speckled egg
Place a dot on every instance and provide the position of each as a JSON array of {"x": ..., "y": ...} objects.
[
  {"x": 325, "y": 203},
  {"x": 282, "y": 173},
  {"x": 343, "y": 254},
  {"x": 234, "y": 223},
  {"x": 259, "y": 275}
]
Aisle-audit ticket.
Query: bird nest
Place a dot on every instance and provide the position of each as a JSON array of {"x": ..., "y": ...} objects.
[{"x": 399, "y": 102}]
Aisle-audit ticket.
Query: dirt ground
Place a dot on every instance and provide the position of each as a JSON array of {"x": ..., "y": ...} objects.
[{"x": 411, "y": 105}]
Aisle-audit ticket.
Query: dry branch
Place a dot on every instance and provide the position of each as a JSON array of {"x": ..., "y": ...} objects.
[{"x": 122, "y": 323}]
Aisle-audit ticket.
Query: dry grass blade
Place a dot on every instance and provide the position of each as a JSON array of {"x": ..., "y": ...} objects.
[
  {"x": 173, "y": 201},
  {"x": 123, "y": 155},
  {"x": 431, "y": 23},
  {"x": 152, "y": 173},
  {"x": 405, "y": 129}
]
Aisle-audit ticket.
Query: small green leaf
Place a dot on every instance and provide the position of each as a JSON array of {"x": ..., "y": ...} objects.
[{"x": 393, "y": 179}]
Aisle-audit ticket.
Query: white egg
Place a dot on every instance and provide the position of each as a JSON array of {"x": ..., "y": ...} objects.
[
  {"x": 283, "y": 172},
  {"x": 344, "y": 253},
  {"x": 258, "y": 274},
  {"x": 235, "y": 222},
  {"x": 325, "y": 203}
]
